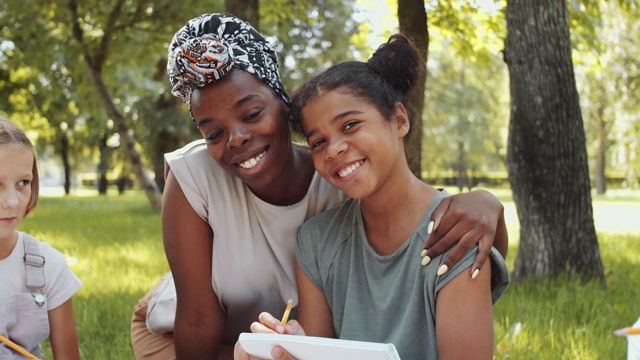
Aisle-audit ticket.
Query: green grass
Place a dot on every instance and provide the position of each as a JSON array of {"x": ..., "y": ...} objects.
[{"x": 114, "y": 245}]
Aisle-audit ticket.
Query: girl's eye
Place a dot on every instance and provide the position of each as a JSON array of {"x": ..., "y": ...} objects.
[
  {"x": 350, "y": 125},
  {"x": 24, "y": 182}
]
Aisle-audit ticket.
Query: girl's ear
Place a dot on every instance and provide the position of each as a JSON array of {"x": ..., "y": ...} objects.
[{"x": 401, "y": 120}]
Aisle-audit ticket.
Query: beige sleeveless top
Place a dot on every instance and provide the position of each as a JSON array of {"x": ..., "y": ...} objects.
[{"x": 253, "y": 243}]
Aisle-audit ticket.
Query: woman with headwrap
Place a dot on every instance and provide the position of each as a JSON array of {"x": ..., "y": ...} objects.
[{"x": 233, "y": 201}]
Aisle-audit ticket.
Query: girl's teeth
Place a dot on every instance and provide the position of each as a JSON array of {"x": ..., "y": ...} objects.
[{"x": 350, "y": 169}]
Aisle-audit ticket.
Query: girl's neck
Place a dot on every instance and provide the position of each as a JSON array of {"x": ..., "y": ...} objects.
[
  {"x": 7, "y": 245},
  {"x": 391, "y": 215}
]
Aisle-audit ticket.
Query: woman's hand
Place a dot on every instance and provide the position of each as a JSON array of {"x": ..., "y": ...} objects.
[
  {"x": 270, "y": 325},
  {"x": 466, "y": 219}
]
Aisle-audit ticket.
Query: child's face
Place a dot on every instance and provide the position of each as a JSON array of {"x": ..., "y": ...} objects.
[
  {"x": 16, "y": 173},
  {"x": 353, "y": 146}
]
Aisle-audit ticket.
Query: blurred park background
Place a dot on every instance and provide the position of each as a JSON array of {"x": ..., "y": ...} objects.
[{"x": 87, "y": 80}]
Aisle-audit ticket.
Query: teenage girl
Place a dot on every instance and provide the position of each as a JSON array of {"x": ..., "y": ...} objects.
[
  {"x": 357, "y": 272},
  {"x": 36, "y": 283}
]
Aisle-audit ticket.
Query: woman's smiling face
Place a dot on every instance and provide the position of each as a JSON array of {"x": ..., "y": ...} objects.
[{"x": 245, "y": 126}]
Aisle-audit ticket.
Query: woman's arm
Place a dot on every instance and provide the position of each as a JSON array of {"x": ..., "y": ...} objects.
[
  {"x": 464, "y": 315},
  {"x": 63, "y": 336},
  {"x": 463, "y": 220},
  {"x": 188, "y": 243}
]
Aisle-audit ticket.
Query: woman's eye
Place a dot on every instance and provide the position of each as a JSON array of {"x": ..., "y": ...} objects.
[
  {"x": 253, "y": 115},
  {"x": 316, "y": 143},
  {"x": 214, "y": 136}
]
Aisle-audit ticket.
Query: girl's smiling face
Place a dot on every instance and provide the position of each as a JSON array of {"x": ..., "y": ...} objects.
[
  {"x": 353, "y": 146},
  {"x": 16, "y": 174}
]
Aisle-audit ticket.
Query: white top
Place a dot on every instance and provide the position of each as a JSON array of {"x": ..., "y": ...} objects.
[
  {"x": 254, "y": 241},
  {"x": 21, "y": 319},
  {"x": 60, "y": 282}
]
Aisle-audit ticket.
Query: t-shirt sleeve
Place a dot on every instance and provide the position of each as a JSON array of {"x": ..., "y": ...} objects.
[
  {"x": 499, "y": 271},
  {"x": 184, "y": 163},
  {"x": 307, "y": 254},
  {"x": 60, "y": 282}
]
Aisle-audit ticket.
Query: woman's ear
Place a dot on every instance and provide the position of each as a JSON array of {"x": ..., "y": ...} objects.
[{"x": 401, "y": 120}]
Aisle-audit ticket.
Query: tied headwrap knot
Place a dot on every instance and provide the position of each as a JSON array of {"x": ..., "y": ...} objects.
[{"x": 209, "y": 46}]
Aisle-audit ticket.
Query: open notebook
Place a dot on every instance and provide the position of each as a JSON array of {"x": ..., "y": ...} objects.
[{"x": 316, "y": 348}]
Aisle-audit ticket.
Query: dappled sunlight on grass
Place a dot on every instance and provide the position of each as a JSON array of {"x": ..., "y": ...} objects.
[
  {"x": 114, "y": 245},
  {"x": 563, "y": 319}
]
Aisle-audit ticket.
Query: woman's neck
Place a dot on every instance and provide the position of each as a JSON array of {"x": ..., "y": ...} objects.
[{"x": 293, "y": 183}]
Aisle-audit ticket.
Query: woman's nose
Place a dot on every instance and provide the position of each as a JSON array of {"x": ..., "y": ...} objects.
[{"x": 238, "y": 137}]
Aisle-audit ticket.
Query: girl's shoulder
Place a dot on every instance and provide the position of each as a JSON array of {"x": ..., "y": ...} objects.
[{"x": 35, "y": 247}]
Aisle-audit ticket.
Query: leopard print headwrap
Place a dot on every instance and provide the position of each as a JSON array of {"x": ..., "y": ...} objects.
[{"x": 207, "y": 47}]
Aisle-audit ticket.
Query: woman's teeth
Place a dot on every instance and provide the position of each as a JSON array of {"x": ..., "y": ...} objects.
[{"x": 250, "y": 163}]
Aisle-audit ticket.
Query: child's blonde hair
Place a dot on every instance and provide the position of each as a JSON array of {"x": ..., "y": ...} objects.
[{"x": 11, "y": 133}]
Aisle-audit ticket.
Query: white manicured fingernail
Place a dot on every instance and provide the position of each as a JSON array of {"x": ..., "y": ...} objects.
[
  {"x": 425, "y": 261},
  {"x": 442, "y": 269},
  {"x": 430, "y": 226},
  {"x": 475, "y": 273},
  {"x": 423, "y": 253}
]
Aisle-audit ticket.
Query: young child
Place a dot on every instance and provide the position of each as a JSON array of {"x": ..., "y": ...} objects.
[
  {"x": 36, "y": 283},
  {"x": 358, "y": 274}
]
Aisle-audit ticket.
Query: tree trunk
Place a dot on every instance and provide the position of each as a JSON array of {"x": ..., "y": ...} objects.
[
  {"x": 412, "y": 21},
  {"x": 103, "y": 164},
  {"x": 547, "y": 157},
  {"x": 163, "y": 142},
  {"x": 600, "y": 177},
  {"x": 463, "y": 179},
  {"x": 247, "y": 10},
  {"x": 126, "y": 139},
  {"x": 94, "y": 65},
  {"x": 64, "y": 154}
]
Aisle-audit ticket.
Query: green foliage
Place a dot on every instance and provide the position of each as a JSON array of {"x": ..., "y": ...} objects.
[
  {"x": 466, "y": 28},
  {"x": 123, "y": 41},
  {"x": 607, "y": 80},
  {"x": 311, "y": 36},
  {"x": 465, "y": 103}
]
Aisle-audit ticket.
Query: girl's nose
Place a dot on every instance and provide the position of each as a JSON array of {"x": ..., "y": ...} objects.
[
  {"x": 9, "y": 199},
  {"x": 336, "y": 148}
]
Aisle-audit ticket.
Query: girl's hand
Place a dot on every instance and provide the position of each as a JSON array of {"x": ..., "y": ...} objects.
[
  {"x": 270, "y": 325},
  {"x": 278, "y": 353},
  {"x": 466, "y": 219}
]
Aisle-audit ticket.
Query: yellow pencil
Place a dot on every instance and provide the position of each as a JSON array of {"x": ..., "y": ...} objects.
[
  {"x": 285, "y": 317},
  {"x": 17, "y": 348},
  {"x": 630, "y": 330}
]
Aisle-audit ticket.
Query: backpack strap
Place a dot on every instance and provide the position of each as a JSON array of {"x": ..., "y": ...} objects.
[{"x": 34, "y": 264}]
